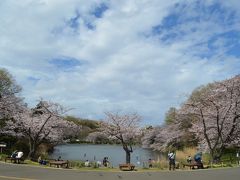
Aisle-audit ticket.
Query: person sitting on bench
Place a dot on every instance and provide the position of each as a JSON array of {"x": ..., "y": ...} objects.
[
  {"x": 198, "y": 160},
  {"x": 19, "y": 156},
  {"x": 14, "y": 154}
]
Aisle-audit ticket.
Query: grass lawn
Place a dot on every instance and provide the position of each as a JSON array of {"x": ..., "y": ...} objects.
[{"x": 228, "y": 160}]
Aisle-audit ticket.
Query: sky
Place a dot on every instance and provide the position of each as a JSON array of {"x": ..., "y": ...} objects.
[{"x": 95, "y": 56}]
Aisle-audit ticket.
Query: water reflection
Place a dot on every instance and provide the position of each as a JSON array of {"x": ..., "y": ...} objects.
[{"x": 115, "y": 153}]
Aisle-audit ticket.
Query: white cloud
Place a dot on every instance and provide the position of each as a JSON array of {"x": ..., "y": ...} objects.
[{"x": 126, "y": 66}]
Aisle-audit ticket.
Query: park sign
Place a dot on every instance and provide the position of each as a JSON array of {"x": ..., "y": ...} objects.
[{"x": 3, "y": 145}]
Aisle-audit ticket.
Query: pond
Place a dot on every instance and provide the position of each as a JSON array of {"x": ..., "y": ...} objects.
[{"x": 115, "y": 153}]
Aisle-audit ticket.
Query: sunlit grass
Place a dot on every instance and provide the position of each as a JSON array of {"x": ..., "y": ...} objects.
[
  {"x": 3, "y": 156},
  {"x": 181, "y": 156},
  {"x": 161, "y": 164}
]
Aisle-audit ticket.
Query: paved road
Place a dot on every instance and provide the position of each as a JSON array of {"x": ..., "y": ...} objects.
[{"x": 24, "y": 172}]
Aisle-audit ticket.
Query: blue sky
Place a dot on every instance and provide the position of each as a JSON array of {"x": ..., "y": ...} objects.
[{"x": 106, "y": 55}]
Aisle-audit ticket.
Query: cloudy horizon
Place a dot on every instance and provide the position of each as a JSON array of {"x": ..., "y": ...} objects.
[{"x": 107, "y": 55}]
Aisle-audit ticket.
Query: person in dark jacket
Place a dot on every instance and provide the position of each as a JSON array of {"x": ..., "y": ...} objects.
[{"x": 198, "y": 159}]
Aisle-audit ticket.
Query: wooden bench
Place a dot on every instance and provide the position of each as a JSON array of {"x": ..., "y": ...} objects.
[
  {"x": 59, "y": 164},
  {"x": 126, "y": 167},
  {"x": 15, "y": 160},
  {"x": 193, "y": 166}
]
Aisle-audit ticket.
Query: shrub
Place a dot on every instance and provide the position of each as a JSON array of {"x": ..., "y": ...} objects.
[{"x": 77, "y": 164}]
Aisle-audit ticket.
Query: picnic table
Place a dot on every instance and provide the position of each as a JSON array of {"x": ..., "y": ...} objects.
[
  {"x": 59, "y": 164},
  {"x": 193, "y": 165},
  {"x": 14, "y": 159},
  {"x": 126, "y": 167}
]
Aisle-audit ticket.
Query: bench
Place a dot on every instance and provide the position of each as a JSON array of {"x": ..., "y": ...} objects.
[
  {"x": 193, "y": 165},
  {"x": 126, "y": 167},
  {"x": 59, "y": 164},
  {"x": 15, "y": 160}
]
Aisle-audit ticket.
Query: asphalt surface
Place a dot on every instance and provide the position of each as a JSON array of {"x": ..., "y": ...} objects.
[{"x": 25, "y": 172}]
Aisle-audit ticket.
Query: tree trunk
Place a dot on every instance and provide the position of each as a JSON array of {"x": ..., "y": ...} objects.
[
  {"x": 31, "y": 153},
  {"x": 128, "y": 151},
  {"x": 212, "y": 156},
  {"x": 128, "y": 156},
  {"x": 216, "y": 154},
  {"x": 32, "y": 149}
]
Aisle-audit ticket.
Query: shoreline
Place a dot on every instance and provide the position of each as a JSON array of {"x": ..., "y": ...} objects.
[{"x": 115, "y": 169}]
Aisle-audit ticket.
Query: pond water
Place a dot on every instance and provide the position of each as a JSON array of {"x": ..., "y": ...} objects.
[{"x": 115, "y": 153}]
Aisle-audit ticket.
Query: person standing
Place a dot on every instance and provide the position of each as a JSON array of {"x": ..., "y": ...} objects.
[
  {"x": 171, "y": 158},
  {"x": 150, "y": 163},
  {"x": 238, "y": 158},
  {"x": 105, "y": 161}
]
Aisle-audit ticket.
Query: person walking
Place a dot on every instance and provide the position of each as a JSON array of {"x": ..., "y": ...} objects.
[{"x": 171, "y": 158}]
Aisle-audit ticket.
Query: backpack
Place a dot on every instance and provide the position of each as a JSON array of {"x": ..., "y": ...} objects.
[{"x": 171, "y": 156}]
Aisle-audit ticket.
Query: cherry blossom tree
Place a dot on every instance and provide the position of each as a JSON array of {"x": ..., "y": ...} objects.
[
  {"x": 97, "y": 137},
  {"x": 216, "y": 109},
  {"x": 42, "y": 123},
  {"x": 171, "y": 135},
  {"x": 149, "y": 136},
  {"x": 124, "y": 128},
  {"x": 163, "y": 138},
  {"x": 10, "y": 102}
]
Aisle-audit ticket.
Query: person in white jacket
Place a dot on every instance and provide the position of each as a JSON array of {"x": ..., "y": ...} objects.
[
  {"x": 171, "y": 158},
  {"x": 19, "y": 156}
]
